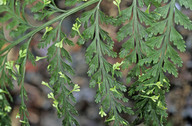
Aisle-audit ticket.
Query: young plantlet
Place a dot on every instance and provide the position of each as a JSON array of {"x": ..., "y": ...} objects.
[
  {"x": 46, "y": 2},
  {"x": 117, "y": 3},
  {"x": 76, "y": 27},
  {"x": 116, "y": 66},
  {"x": 99, "y": 86},
  {"x": 7, "y": 108},
  {"x": 55, "y": 102},
  {"x": 59, "y": 44},
  {"x": 46, "y": 84},
  {"x": 47, "y": 29},
  {"x": 17, "y": 67},
  {"x": 153, "y": 98},
  {"x": 17, "y": 116},
  {"x": 150, "y": 91},
  {"x": 22, "y": 53},
  {"x": 75, "y": 89},
  {"x": 10, "y": 66},
  {"x": 39, "y": 58},
  {"x": 111, "y": 119},
  {"x": 158, "y": 84},
  {"x": 160, "y": 105},
  {"x": 147, "y": 10},
  {"x": 62, "y": 75},
  {"x": 3, "y": 2},
  {"x": 115, "y": 90},
  {"x": 23, "y": 122},
  {"x": 2, "y": 91},
  {"x": 51, "y": 95},
  {"x": 101, "y": 112}
]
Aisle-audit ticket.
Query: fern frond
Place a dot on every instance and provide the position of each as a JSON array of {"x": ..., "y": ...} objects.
[
  {"x": 186, "y": 3},
  {"x": 182, "y": 19},
  {"x": 109, "y": 90}
]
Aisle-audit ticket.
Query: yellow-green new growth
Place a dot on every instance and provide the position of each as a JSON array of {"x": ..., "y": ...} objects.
[
  {"x": 158, "y": 84},
  {"x": 9, "y": 65},
  {"x": 147, "y": 10},
  {"x": 111, "y": 119},
  {"x": 154, "y": 98},
  {"x": 59, "y": 44},
  {"x": 46, "y": 84},
  {"x": 102, "y": 113},
  {"x": 46, "y": 2},
  {"x": 62, "y": 75},
  {"x": 7, "y": 108},
  {"x": 22, "y": 53},
  {"x": 2, "y": 91},
  {"x": 47, "y": 29},
  {"x": 75, "y": 89},
  {"x": 99, "y": 85},
  {"x": 3, "y": 2},
  {"x": 39, "y": 58},
  {"x": 160, "y": 105},
  {"x": 115, "y": 90},
  {"x": 17, "y": 116},
  {"x": 76, "y": 27},
  {"x": 117, "y": 3},
  {"x": 55, "y": 102},
  {"x": 116, "y": 66}
]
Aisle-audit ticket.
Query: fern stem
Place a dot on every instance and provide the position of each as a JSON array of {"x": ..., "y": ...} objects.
[{"x": 23, "y": 106}]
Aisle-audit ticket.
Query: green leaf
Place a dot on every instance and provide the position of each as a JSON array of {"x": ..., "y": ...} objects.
[
  {"x": 124, "y": 31},
  {"x": 155, "y": 42},
  {"x": 125, "y": 15},
  {"x": 37, "y": 7},
  {"x": 132, "y": 56},
  {"x": 39, "y": 58},
  {"x": 106, "y": 50},
  {"x": 177, "y": 39},
  {"x": 162, "y": 11},
  {"x": 70, "y": 2},
  {"x": 144, "y": 17},
  {"x": 86, "y": 16},
  {"x": 157, "y": 27},
  {"x": 186, "y": 3},
  {"x": 168, "y": 66},
  {"x": 154, "y": 2},
  {"x": 129, "y": 44},
  {"x": 93, "y": 65},
  {"x": 89, "y": 32},
  {"x": 90, "y": 50},
  {"x": 12, "y": 24},
  {"x": 182, "y": 19},
  {"x": 173, "y": 55},
  {"x": 106, "y": 19},
  {"x": 152, "y": 56},
  {"x": 141, "y": 3},
  {"x": 31, "y": 58},
  {"x": 5, "y": 18},
  {"x": 66, "y": 55},
  {"x": 142, "y": 32},
  {"x": 20, "y": 30}
]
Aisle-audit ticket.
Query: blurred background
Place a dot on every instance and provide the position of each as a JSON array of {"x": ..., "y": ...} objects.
[{"x": 41, "y": 112}]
